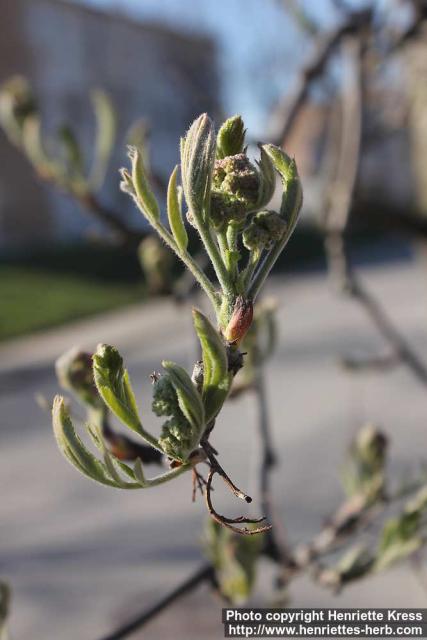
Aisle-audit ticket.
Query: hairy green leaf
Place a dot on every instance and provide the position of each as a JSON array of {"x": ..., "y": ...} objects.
[
  {"x": 73, "y": 448},
  {"x": 105, "y": 136},
  {"x": 197, "y": 161},
  {"x": 145, "y": 196},
  {"x": 292, "y": 190},
  {"x": 175, "y": 214},
  {"x": 216, "y": 377},
  {"x": 189, "y": 399},
  {"x": 113, "y": 384}
]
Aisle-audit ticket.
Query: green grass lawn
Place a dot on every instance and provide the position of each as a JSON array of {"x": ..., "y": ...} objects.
[
  {"x": 53, "y": 286},
  {"x": 32, "y": 299}
]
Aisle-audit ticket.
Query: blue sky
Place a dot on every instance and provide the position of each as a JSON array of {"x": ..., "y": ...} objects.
[{"x": 259, "y": 45}]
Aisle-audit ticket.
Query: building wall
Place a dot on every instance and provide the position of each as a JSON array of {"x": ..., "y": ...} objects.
[{"x": 149, "y": 71}]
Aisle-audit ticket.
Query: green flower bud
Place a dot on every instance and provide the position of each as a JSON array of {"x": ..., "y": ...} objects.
[
  {"x": 177, "y": 439},
  {"x": 181, "y": 433},
  {"x": 165, "y": 401},
  {"x": 265, "y": 229},
  {"x": 236, "y": 176},
  {"x": 225, "y": 210},
  {"x": 235, "y": 187}
]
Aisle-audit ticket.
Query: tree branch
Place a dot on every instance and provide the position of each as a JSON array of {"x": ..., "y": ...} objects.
[
  {"x": 337, "y": 214},
  {"x": 289, "y": 107},
  {"x": 204, "y": 574}
]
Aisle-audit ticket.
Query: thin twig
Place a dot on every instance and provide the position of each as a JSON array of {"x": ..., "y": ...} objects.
[
  {"x": 204, "y": 574},
  {"x": 290, "y": 106},
  {"x": 110, "y": 219},
  {"x": 230, "y": 522},
  {"x": 401, "y": 348},
  {"x": 217, "y": 468},
  {"x": 337, "y": 215},
  {"x": 379, "y": 362},
  {"x": 276, "y": 545}
]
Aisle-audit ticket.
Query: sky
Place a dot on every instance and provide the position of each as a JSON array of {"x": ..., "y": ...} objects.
[{"x": 260, "y": 47}]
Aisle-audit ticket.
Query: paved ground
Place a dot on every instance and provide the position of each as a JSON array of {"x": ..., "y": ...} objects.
[{"x": 81, "y": 557}]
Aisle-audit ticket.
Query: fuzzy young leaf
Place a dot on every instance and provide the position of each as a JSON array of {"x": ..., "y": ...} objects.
[
  {"x": 175, "y": 214},
  {"x": 216, "y": 377},
  {"x": 17, "y": 103},
  {"x": 34, "y": 148},
  {"x": 113, "y": 384},
  {"x": 403, "y": 535},
  {"x": 267, "y": 179},
  {"x": 197, "y": 161},
  {"x": 231, "y": 138},
  {"x": 400, "y": 538},
  {"x": 144, "y": 194},
  {"x": 289, "y": 211},
  {"x": 189, "y": 399},
  {"x": 292, "y": 192},
  {"x": 73, "y": 448},
  {"x": 105, "y": 136}
]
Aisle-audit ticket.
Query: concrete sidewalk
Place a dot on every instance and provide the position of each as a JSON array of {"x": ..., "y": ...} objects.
[{"x": 143, "y": 322}]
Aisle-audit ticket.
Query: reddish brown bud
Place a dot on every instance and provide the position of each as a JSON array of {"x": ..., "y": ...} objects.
[{"x": 241, "y": 320}]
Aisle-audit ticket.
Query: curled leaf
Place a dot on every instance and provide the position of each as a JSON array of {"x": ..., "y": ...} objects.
[
  {"x": 197, "y": 161},
  {"x": 144, "y": 194},
  {"x": 189, "y": 399},
  {"x": 216, "y": 377},
  {"x": 105, "y": 136},
  {"x": 113, "y": 384},
  {"x": 292, "y": 190},
  {"x": 73, "y": 448},
  {"x": 267, "y": 179},
  {"x": 231, "y": 137},
  {"x": 175, "y": 214},
  {"x": 34, "y": 148}
]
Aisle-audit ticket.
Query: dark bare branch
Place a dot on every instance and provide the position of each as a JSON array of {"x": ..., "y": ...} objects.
[
  {"x": 289, "y": 107},
  {"x": 204, "y": 574},
  {"x": 230, "y": 522}
]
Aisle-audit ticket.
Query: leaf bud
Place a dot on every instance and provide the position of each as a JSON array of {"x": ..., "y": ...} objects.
[
  {"x": 240, "y": 321},
  {"x": 231, "y": 137}
]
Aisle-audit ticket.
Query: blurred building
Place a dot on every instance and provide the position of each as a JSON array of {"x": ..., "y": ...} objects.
[
  {"x": 66, "y": 50},
  {"x": 387, "y": 168}
]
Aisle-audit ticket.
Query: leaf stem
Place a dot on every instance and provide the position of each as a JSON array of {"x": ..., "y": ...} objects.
[
  {"x": 271, "y": 257},
  {"x": 189, "y": 262},
  {"x": 250, "y": 267},
  {"x": 214, "y": 254}
]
